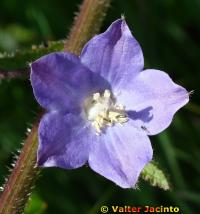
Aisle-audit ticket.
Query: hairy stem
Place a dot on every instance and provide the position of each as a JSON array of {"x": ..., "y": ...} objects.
[
  {"x": 21, "y": 58},
  {"x": 13, "y": 74},
  {"x": 18, "y": 187},
  {"x": 87, "y": 24}
]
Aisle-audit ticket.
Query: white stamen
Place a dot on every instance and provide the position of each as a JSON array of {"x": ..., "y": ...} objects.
[
  {"x": 96, "y": 96},
  {"x": 107, "y": 93},
  {"x": 102, "y": 111}
]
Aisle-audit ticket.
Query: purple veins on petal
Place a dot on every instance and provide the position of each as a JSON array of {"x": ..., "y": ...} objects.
[
  {"x": 121, "y": 154},
  {"x": 118, "y": 56},
  {"x": 153, "y": 101},
  {"x": 64, "y": 141},
  {"x": 60, "y": 82}
]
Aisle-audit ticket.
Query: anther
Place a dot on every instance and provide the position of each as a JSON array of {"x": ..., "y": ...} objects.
[
  {"x": 102, "y": 111},
  {"x": 107, "y": 93}
]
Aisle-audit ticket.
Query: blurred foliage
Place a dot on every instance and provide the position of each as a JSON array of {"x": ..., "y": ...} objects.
[{"x": 169, "y": 33}]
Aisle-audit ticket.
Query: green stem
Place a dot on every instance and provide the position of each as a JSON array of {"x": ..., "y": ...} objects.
[{"x": 18, "y": 187}]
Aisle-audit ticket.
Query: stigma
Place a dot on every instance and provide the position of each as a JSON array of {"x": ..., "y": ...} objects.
[{"x": 102, "y": 111}]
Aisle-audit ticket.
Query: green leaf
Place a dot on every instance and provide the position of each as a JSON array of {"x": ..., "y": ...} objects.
[{"x": 155, "y": 176}]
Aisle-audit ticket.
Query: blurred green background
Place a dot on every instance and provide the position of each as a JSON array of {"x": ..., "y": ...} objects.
[{"x": 169, "y": 33}]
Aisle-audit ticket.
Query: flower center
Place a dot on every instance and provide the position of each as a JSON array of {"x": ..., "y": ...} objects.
[{"x": 102, "y": 111}]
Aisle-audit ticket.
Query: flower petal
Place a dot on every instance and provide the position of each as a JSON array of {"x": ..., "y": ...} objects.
[
  {"x": 115, "y": 54},
  {"x": 152, "y": 99},
  {"x": 121, "y": 154},
  {"x": 64, "y": 141},
  {"x": 60, "y": 81}
]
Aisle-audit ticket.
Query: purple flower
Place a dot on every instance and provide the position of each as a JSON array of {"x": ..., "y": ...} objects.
[{"x": 102, "y": 106}]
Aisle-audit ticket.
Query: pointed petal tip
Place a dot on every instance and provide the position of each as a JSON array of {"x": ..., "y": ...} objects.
[
  {"x": 46, "y": 162},
  {"x": 117, "y": 54},
  {"x": 32, "y": 66},
  {"x": 120, "y": 24},
  {"x": 129, "y": 184},
  {"x": 121, "y": 155},
  {"x": 40, "y": 161},
  {"x": 122, "y": 17}
]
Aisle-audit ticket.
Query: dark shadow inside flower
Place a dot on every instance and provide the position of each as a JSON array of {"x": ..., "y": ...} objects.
[{"x": 144, "y": 115}]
